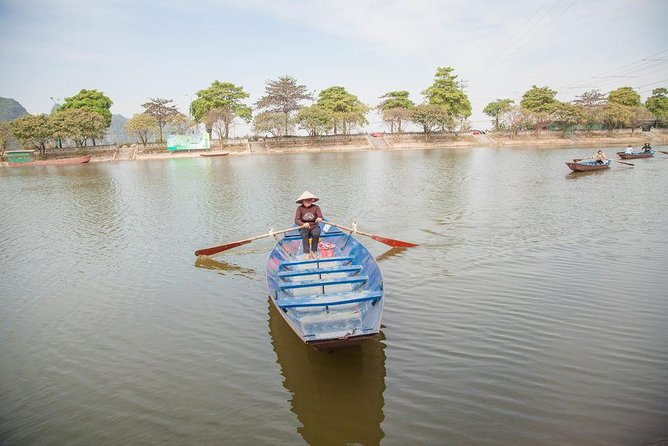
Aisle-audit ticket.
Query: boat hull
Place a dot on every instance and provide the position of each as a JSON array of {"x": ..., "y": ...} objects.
[
  {"x": 588, "y": 166},
  {"x": 214, "y": 154},
  {"x": 631, "y": 156},
  {"x": 330, "y": 302},
  {"x": 56, "y": 162}
]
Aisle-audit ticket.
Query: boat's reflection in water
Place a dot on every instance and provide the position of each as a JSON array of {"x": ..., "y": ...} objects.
[
  {"x": 224, "y": 267},
  {"x": 337, "y": 396},
  {"x": 390, "y": 253}
]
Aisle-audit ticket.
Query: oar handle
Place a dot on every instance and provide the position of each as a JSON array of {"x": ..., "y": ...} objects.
[
  {"x": 349, "y": 229},
  {"x": 268, "y": 234}
]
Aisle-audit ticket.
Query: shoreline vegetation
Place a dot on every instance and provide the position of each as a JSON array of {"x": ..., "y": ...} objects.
[
  {"x": 369, "y": 142},
  {"x": 334, "y": 115}
]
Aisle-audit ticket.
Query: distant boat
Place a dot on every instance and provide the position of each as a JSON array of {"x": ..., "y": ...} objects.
[
  {"x": 214, "y": 154},
  {"x": 630, "y": 156},
  {"x": 335, "y": 300},
  {"x": 580, "y": 165},
  {"x": 54, "y": 162}
]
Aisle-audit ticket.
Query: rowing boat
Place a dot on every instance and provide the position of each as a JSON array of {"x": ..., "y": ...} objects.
[
  {"x": 634, "y": 155},
  {"x": 214, "y": 154},
  {"x": 335, "y": 300},
  {"x": 57, "y": 162},
  {"x": 580, "y": 165}
]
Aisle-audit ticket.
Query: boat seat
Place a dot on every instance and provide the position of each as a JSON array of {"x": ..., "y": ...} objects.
[
  {"x": 325, "y": 235},
  {"x": 310, "y": 261},
  {"x": 314, "y": 271},
  {"x": 323, "y": 282},
  {"x": 328, "y": 300}
]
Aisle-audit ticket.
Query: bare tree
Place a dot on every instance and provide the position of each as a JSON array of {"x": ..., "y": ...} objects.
[
  {"x": 219, "y": 120},
  {"x": 161, "y": 110},
  {"x": 283, "y": 96}
]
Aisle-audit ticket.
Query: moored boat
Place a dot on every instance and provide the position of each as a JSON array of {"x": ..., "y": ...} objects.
[
  {"x": 332, "y": 301},
  {"x": 54, "y": 162},
  {"x": 584, "y": 165},
  {"x": 214, "y": 154},
  {"x": 634, "y": 155}
]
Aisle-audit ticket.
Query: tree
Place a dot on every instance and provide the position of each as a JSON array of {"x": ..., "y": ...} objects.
[
  {"x": 283, "y": 96},
  {"x": 494, "y": 109},
  {"x": 539, "y": 99},
  {"x": 396, "y": 108},
  {"x": 144, "y": 125},
  {"x": 346, "y": 109},
  {"x": 591, "y": 99},
  {"x": 5, "y": 136},
  {"x": 447, "y": 93},
  {"x": 33, "y": 130},
  {"x": 431, "y": 117},
  {"x": 625, "y": 96},
  {"x": 591, "y": 103},
  {"x": 658, "y": 105},
  {"x": 271, "y": 123},
  {"x": 78, "y": 124},
  {"x": 92, "y": 100},
  {"x": 514, "y": 119},
  {"x": 641, "y": 117},
  {"x": 395, "y": 117},
  {"x": 219, "y": 120},
  {"x": 221, "y": 95},
  {"x": 179, "y": 123},
  {"x": 161, "y": 110},
  {"x": 568, "y": 115},
  {"x": 616, "y": 115},
  {"x": 316, "y": 120},
  {"x": 396, "y": 99}
]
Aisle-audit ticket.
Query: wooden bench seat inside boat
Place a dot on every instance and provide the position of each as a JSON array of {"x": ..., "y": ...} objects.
[
  {"x": 311, "y": 261},
  {"x": 314, "y": 271},
  {"x": 324, "y": 282},
  {"x": 331, "y": 299}
]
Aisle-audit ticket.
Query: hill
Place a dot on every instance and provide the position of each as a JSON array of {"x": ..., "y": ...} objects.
[{"x": 10, "y": 109}]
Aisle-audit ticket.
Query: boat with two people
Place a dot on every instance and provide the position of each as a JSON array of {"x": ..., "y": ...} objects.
[{"x": 646, "y": 152}]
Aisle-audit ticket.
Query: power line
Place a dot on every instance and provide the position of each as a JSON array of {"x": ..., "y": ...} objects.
[
  {"x": 539, "y": 32},
  {"x": 614, "y": 71}
]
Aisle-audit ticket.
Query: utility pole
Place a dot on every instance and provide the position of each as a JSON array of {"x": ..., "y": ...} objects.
[{"x": 59, "y": 142}]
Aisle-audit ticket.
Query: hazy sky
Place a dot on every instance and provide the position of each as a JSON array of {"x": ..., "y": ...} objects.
[{"x": 134, "y": 50}]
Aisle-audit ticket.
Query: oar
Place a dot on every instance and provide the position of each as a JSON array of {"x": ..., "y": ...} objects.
[
  {"x": 221, "y": 248},
  {"x": 664, "y": 152},
  {"x": 622, "y": 162},
  {"x": 387, "y": 241}
]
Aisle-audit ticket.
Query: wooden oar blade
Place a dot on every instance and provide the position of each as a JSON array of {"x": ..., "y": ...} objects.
[
  {"x": 216, "y": 249},
  {"x": 392, "y": 242},
  {"x": 624, "y": 162}
]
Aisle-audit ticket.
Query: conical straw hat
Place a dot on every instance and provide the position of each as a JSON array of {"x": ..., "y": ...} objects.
[{"x": 305, "y": 196}]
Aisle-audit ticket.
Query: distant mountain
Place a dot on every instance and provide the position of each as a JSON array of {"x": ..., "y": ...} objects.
[
  {"x": 11, "y": 109},
  {"x": 116, "y": 133}
]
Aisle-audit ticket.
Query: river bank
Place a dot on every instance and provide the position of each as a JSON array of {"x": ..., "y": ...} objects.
[{"x": 366, "y": 142}]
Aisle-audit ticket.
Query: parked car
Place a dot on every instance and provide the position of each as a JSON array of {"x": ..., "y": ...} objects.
[
  {"x": 475, "y": 132},
  {"x": 377, "y": 134}
]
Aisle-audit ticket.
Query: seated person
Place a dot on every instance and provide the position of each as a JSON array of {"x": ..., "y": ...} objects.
[
  {"x": 628, "y": 149},
  {"x": 646, "y": 148},
  {"x": 600, "y": 157}
]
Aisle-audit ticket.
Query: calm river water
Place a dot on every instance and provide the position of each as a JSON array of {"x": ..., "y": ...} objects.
[{"x": 534, "y": 311}]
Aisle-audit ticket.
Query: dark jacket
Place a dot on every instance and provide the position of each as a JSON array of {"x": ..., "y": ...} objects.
[{"x": 308, "y": 215}]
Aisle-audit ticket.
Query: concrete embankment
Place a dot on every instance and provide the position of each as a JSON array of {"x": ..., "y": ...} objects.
[{"x": 376, "y": 141}]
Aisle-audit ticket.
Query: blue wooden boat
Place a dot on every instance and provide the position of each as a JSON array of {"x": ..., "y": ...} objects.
[
  {"x": 635, "y": 155},
  {"x": 587, "y": 165},
  {"x": 332, "y": 301}
]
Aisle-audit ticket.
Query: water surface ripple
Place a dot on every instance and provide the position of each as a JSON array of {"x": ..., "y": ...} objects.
[{"x": 534, "y": 312}]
